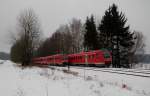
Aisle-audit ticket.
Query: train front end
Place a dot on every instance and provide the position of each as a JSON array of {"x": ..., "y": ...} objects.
[{"x": 107, "y": 58}]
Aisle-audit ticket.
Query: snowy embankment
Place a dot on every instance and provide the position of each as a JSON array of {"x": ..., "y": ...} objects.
[
  {"x": 135, "y": 84},
  {"x": 34, "y": 81}
]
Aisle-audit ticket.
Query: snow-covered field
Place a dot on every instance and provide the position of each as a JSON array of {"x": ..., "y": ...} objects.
[{"x": 35, "y": 81}]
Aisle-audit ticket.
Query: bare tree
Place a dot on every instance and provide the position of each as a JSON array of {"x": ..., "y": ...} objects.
[
  {"x": 68, "y": 38},
  {"x": 59, "y": 43},
  {"x": 29, "y": 33},
  {"x": 76, "y": 29},
  {"x": 62, "y": 40},
  {"x": 139, "y": 47},
  {"x": 139, "y": 43}
]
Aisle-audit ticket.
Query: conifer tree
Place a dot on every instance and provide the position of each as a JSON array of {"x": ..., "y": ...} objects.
[
  {"x": 117, "y": 36},
  {"x": 91, "y": 35}
]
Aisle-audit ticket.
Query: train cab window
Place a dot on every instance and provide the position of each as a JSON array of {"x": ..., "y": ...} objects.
[{"x": 106, "y": 55}]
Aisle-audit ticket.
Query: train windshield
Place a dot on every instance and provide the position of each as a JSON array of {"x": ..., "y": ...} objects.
[{"x": 106, "y": 54}]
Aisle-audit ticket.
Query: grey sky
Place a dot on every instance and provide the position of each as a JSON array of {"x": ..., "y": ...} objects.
[{"x": 52, "y": 13}]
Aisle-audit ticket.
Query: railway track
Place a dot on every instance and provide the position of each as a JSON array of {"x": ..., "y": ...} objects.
[
  {"x": 121, "y": 71},
  {"x": 133, "y": 71},
  {"x": 140, "y": 73}
]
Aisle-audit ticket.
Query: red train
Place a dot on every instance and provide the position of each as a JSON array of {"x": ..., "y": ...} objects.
[{"x": 92, "y": 58}]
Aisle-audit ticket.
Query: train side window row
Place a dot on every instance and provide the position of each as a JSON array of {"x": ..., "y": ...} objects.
[
  {"x": 81, "y": 57},
  {"x": 76, "y": 57}
]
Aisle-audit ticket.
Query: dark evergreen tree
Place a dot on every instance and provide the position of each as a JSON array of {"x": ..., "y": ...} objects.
[
  {"x": 91, "y": 35},
  {"x": 116, "y": 35},
  {"x": 105, "y": 30}
]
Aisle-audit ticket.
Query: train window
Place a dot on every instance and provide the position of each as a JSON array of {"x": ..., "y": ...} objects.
[
  {"x": 93, "y": 56},
  {"x": 89, "y": 56},
  {"x": 106, "y": 55},
  {"x": 97, "y": 55}
]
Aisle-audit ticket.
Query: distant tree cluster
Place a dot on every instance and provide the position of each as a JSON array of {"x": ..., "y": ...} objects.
[
  {"x": 112, "y": 33},
  {"x": 65, "y": 40},
  {"x": 4, "y": 56}
]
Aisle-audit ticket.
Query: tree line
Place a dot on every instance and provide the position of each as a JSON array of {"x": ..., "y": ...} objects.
[{"x": 112, "y": 33}]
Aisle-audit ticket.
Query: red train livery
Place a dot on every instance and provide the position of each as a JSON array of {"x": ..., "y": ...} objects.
[{"x": 91, "y": 58}]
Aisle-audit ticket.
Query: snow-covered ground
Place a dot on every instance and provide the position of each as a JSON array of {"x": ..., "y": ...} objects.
[
  {"x": 35, "y": 81},
  {"x": 136, "y": 84}
]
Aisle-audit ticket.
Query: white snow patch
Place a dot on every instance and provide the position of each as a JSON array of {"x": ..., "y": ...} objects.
[{"x": 34, "y": 81}]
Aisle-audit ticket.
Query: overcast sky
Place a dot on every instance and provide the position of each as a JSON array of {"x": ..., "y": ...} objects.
[{"x": 53, "y": 13}]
